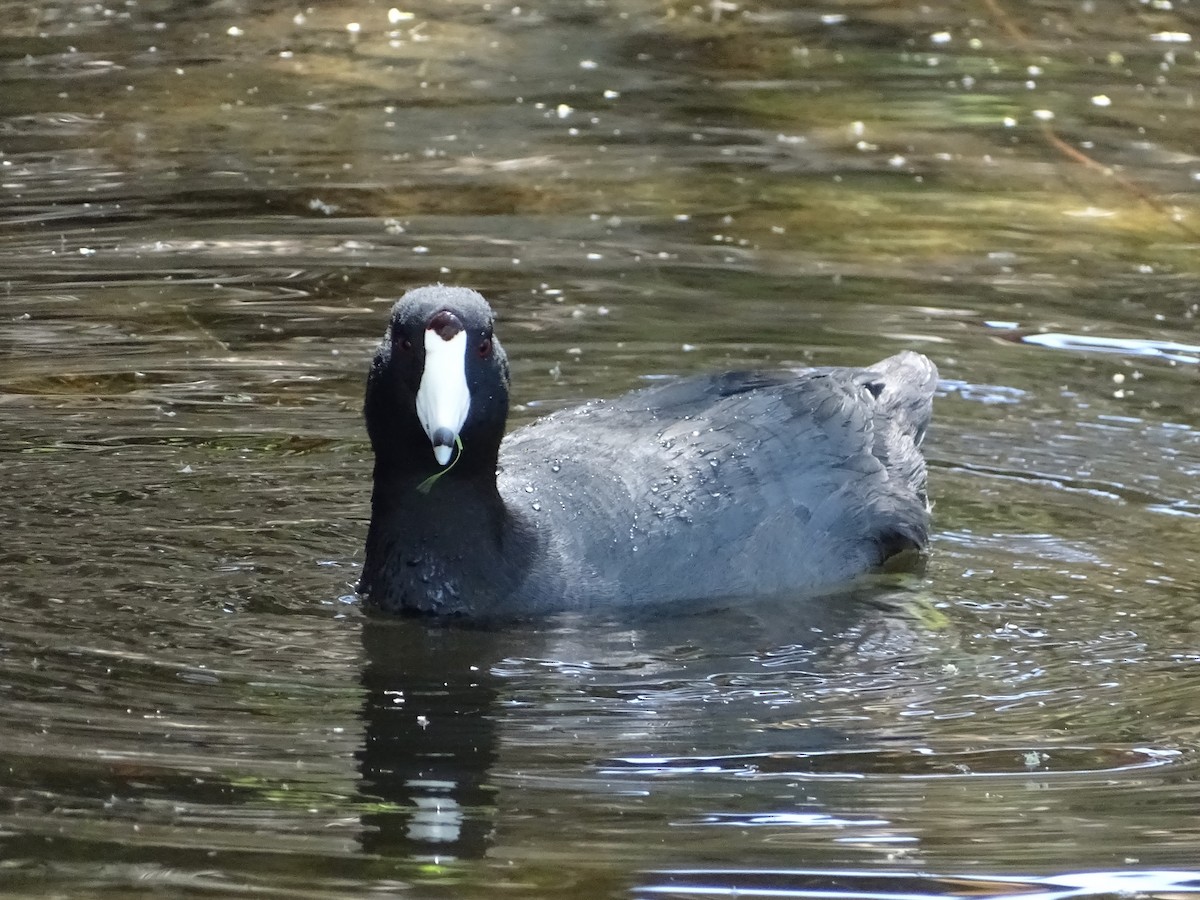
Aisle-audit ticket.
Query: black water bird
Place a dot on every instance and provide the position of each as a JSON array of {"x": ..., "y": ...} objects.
[{"x": 703, "y": 489}]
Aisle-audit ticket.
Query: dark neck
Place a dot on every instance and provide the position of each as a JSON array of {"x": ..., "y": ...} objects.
[{"x": 452, "y": 548}]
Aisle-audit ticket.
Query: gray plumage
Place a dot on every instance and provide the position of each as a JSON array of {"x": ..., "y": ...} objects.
[{"x": 718, "y": 487}]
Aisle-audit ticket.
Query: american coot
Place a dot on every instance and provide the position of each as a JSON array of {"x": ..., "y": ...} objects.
[{"x": 710, "y": 488}]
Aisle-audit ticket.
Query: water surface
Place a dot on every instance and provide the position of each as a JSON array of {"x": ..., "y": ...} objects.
[{"x": 207, "y": 210}]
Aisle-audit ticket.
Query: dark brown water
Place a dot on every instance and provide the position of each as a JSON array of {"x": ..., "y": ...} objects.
[{"x": 206, "y": 210}]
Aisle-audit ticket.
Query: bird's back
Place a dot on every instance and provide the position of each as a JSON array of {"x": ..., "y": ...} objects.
[{"x": 733, "y": 485}]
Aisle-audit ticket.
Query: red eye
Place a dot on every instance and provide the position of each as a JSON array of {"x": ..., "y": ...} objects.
[{"x": 485, "y": 347}]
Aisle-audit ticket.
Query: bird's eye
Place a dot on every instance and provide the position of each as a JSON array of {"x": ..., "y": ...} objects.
[
  {"x": 485, "y": 347},
  {"x": 405, "y": 344}
]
